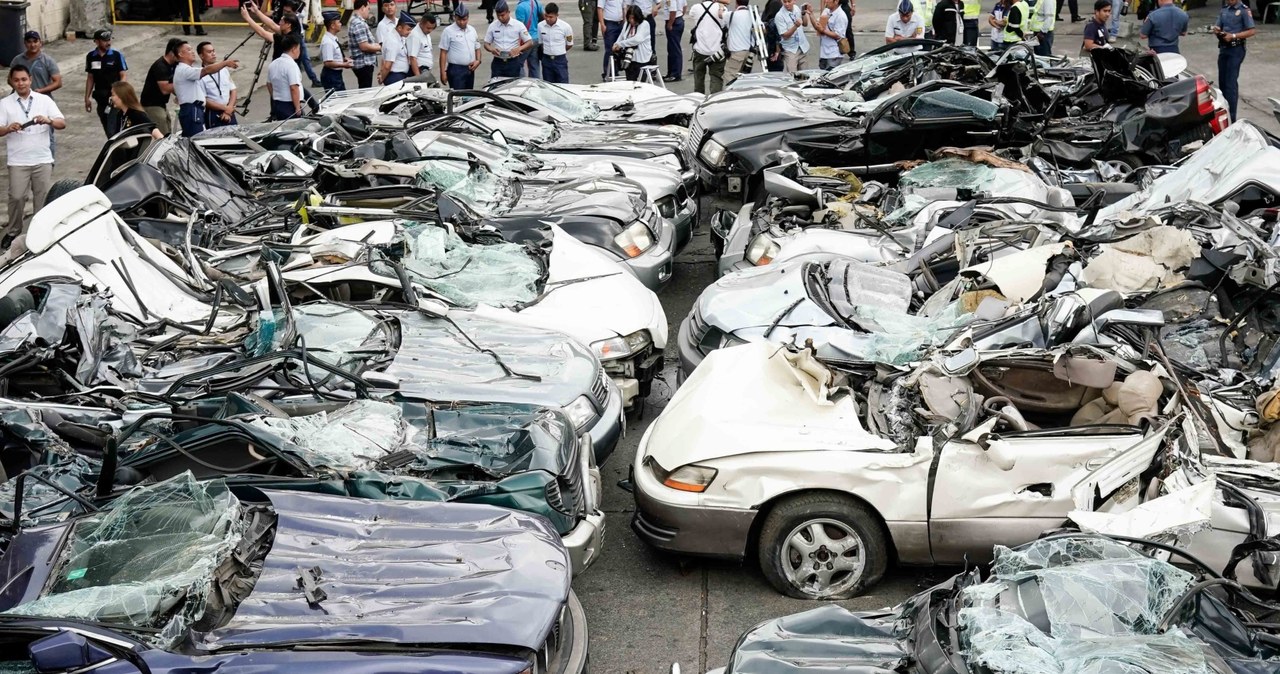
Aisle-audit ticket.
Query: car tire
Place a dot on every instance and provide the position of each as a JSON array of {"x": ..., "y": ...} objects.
[
  {"x": 1133, "y": 161},
  {"x": 61, "y": 188},
  {"x": 797, "y": 520}
]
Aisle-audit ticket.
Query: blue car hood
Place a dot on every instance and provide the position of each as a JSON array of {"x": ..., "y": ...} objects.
[{"x": 402, "y": 573}]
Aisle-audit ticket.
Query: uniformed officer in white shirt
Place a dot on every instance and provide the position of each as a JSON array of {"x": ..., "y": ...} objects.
[
  {"x": 675, "y": 40},
  {"x": 395, "y": 52},
  {"x": 27, "y": 120},
  {"x": 284, "y": 80},
  {"x": 386, "y": 28},
  {"x": 459, "y": 51},
  {"x": 188, "y": 89},
  {"x": 506, "y": 40},
  {"x": 557, "y": 40},
  {"x": 610, "y": 13},
  {"x": 331, "y": 54},
  {"x": 420, "y": 44},
  {"x": 219, "y": 90}
]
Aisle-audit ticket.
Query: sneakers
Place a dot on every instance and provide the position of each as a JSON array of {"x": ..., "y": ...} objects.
[
  {"x": 1077, "y": 19},
  {"x": 592, "y": 46},
  {"x": 671, "y": 78}
]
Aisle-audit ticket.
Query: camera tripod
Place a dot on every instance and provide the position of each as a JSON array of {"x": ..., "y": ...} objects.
[{"x": 257, "y": 71}]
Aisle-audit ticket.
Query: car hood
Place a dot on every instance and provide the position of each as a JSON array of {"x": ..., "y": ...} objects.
[
  {"x": 618, "y": 199},
  {"x": 402, "y": 572},
  {"x": 790, "y": 409},
  {"x": 733, "y": 116},
  {"x": 630, "y": 141},
  {"x": 657, "y": 180},
  {"x": 455, "y": 360},
  {"x": 589, "y": 296},
  {"x": 759, "y": 296}
]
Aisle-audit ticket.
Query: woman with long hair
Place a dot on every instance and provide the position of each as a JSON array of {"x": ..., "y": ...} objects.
[
  {"x": 125, "y": 99},
  {"x": 635, "y": 35}
]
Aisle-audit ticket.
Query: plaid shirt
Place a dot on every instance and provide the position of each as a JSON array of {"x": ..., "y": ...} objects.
[{"x": 358, "y": 31}]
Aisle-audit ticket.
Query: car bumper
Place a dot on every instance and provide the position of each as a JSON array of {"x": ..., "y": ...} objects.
[
  {"x": 685, "y": 528},
  {"x": 690, "y": 354},
  {"x": 608, "y": 428},
  {"x": 586, "y": 540},
  {"x": 654, "y": 266}
]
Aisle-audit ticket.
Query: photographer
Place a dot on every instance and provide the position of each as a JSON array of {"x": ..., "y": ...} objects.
[
  {"x": 791, "y": 21},
  {"x": 286, "y": 22}
]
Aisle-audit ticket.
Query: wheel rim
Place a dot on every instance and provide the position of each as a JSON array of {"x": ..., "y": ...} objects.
[{"x": 823, "y": 557}]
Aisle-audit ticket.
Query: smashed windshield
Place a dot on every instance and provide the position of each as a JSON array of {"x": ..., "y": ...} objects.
[
  {"x": 148, "y": 560},
  {"x": 341, "y": 336},
  {"x": 946, "y": 103},
  {"x": 561, "y": 100},
  {"x": 863, "y": 67},
  {"x": 470, "y": 182},
  {"x": 498, "y": 274}
]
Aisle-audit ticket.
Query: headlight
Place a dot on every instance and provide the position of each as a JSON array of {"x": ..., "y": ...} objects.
[
  {"x": 667, "y": 207},
  {"x": 581, "y": 412},
  {"x": 692, "y": 478},
  {"x": 620, "y": 347},
  {"x": 762, "y": 250},
  {"x": 713, "y": 153},
  {"x": 635, "y": 239}
]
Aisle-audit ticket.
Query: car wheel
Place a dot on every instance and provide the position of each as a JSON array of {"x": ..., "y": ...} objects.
[
  {"x": 822, "y": 546},
  {"x": 61, "y": 188},
  {"x": 1133, "y": 161}
]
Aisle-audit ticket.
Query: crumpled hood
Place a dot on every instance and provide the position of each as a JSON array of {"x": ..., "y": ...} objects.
[
  {"x": 758, "y": 296},
  {"x": 402, "y": 572},
  {"x": 733, "y": 116},
  {"x": 436, "y": 362},
  {"x": 657, "y": 180},
  {"x": 615, "y": 198},
  {"x": 632, "y": 139},
  {"x": 709, "y": 417},
  {"x": 611, "y": 303}
]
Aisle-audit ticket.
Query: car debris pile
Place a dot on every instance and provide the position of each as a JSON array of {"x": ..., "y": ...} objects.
[{"x": 345, "y": 383}]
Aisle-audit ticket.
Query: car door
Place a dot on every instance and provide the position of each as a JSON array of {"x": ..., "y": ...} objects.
[{"x": 1013, "y": 486}]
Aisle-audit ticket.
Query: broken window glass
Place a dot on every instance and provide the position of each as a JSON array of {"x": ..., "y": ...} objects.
[
  {"x": 146, "y": 561},
  {"x": 948, "y": 103},
  {"x": 496, "y": 274},
  {"x": 341, "y": 336},
  {"x": 354, "y": 437},
  {"x": 469, "y": 182},
  {"x": 570, "y": 105}
]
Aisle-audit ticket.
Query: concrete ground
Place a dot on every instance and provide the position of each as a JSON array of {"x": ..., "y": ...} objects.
[{"x": 645, "y": 610}]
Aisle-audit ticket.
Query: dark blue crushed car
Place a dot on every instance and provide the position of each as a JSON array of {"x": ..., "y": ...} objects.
[{"x": 187, "y": 576}]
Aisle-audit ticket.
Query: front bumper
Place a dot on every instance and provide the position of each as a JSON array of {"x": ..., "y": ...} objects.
[
  {"x": 687, "y": 529},
  {"x": 654, "y": 266},
  {"x": 690, "y": 352},
  {"x": 586, "y": 540}
]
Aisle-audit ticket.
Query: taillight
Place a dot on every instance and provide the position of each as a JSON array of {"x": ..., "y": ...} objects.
[
  {"x": 1220, "y": 122},
  {"x": 1204, "y": 97}
]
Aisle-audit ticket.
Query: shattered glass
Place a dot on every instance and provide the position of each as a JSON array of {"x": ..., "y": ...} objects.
[
  {"x": 498, "y": 274},
  {"x": 468, "y": 182},
  {"x": 355, "y": 437},
  {"x": 901, "y": 338},
  {"x": 146, "y": 561},
  {"x": 45, "y": 324},
  {"x": 340, "y": 335},
  {"x": 72, "y": 472},
  {"x": 574, "y": 107},
  {"x": 961, "y": 174},
  {"x": 944, "y": 103}
]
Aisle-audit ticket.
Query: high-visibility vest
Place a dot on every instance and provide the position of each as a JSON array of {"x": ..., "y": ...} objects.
[
  {"x": 1032, "y": 24},
  {"x": 924, "y": 10},
  {"x": 1024, "y": 10},
  {"x": 1045, "y": 16},
  {"x": 972, "y": 9}
]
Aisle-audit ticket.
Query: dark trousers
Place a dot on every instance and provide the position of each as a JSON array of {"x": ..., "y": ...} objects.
[
  {"x": 633, "y": 71},
  {"x": 505, "y": 68},
  {"x": 675, "y": 50},
  {"x": 364, "y": 76},
  {"x": 107, "y": 115},
  {"x": 653, "y": 38},
  {"x": 393, "y": 77},
  {"x": 612, "y": 29},
  {"x": 191, "y": 118},
  {"x": 331, "y": 80},
  {"x": 460, "y": 77},
  {"x": 1229, "y": 60},
  {"x": 590, "y": 23},
  {"x": 555, "y": 69},
  {"x": 1045, "y": 48},
  {"x": 281, "y": 110},
  {"x": 970, "y": 32},
  {"x": 1073, "y": 4},
  {"x": 213, "y": 119},
  {"x": 304, "y": 61}
]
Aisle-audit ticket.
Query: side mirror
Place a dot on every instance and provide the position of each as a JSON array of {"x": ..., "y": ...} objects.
[
  {"x": 783, "y": 187},
  {"x": 960, "y": 364},
  {"x": 1152, "y": 318},
  {"x": 432, "y": 307},
  {"x": 64, "y": 652},
  {"x": 498, "y": 138}
]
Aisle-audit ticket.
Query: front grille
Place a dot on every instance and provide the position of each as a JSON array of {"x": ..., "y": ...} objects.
[
  {"x": 571, "y": 483},
  {"x": 600, "y": 391},
  {"x": 692, "y": 141},
  {"x": 697, "y": 326}
]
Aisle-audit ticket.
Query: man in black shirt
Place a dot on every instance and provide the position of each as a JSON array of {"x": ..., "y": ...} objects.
[
  {"x": 104, "y": 66},
  {"x": 159, "y": 86},
  {"x": 1095, "y": 32},
  {"x": 945, "y": 17}
]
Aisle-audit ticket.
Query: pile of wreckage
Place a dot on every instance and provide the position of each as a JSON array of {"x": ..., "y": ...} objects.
[{"x": 307, "y": 393}]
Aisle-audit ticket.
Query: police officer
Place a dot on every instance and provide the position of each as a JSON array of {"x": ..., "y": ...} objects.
[
  {"x": 459, "y": 51},
  {"x": 506, "y": 39},
  {"x": 590, "y": 25},
  {"x": 557, "y": 40},
  {"x": 972, "y": 10},
  {"x": 331, "y": 54},
  {"x": 1234, "y": 26}
]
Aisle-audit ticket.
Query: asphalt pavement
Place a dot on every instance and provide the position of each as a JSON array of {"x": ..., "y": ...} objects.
[{"x": 645, "y": 610}]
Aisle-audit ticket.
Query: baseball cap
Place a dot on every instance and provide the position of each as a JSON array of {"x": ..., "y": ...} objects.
[
  {"x": 31, "y": 35},
  {"x": 103, "y": 34}
]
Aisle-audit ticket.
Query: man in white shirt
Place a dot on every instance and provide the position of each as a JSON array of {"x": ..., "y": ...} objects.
[
  {"x": 707, "y": 18},
  {"x": 903, "y": 25},
  {"x": 331, "y": 59},
  {"x": 610, "y": 18},
  {"x": 832, "y": 26},
  {"x": 459, "y": 51},
  {"x": 648, "y": 8},
  {"x": 740, "y": 38},
  {"x": 506, "y": 40},
  {"x": 420, "y": 59},
  {"x": 219, "y": 90},
  {"x": 27, "y": 121},
  {"x": 395, "y": 52},
  {"x": 189, "y": 90},
  {"x": 790, "y": 22},
  {"x": 386, "y": 28},
  {"x": 557, "y": 40},
  {"x": 675, "y": 36},
  {"x": 284, "y": 81}
]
